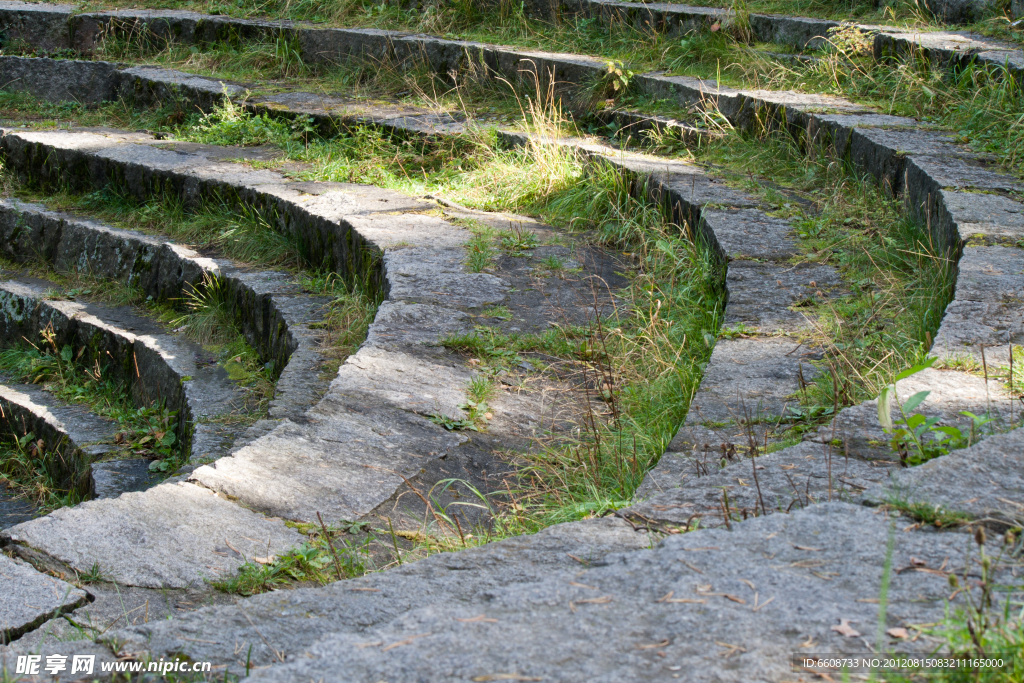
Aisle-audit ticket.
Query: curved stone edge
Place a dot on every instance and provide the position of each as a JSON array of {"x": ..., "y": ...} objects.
[
  {"x": 72, "y": 436},
  {"x": 273, "y": 314},
  {"x": 422, "y": 275},
  {"x": 156, "y": 367}
]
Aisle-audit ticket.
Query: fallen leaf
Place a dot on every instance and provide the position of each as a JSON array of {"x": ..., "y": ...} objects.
[
  {"x": 898, "y": 633},
  {"x": 845, "y": 629},
  {"x": 804, "y": 547},
  {"x": 265, "y": 560},
  {"x": 732, "y": 649},
  {"x": 368, "y": 590},
  {"x": 400, "y": 643},
  {"x": 651, "y": 646},
  {"x": 582, "y": 585},
  {"x": 478, "y": 618}
]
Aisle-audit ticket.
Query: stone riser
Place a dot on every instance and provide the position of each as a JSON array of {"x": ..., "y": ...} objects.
[
  {"x": 68, "y": 434},
  {"x": 269, "y": 308},
  {"x": 140, "y": 362}
]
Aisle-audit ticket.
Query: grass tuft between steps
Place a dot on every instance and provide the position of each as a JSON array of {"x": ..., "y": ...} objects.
[{"x": 39, "y": 470}]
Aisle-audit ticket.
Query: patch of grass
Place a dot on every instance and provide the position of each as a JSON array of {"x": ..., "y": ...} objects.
[
  {"x": 230, "y": 124},
  {"x": 480, "y": 251},
  {"x": 325, "y": 557},
  {"x": 209, "y": 320},
  {"x": 501, "y": 312},
  {"x": 348, "y": 315},
  {"x": 929, "y": 513}
]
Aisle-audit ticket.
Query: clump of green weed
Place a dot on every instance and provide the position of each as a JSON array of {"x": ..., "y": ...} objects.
[
  {"x": 325, "y": 557},
  {"x": 348, "y": 314},
  {"x": 210, "y": 320},
  {"x": 229, "y": 123}
]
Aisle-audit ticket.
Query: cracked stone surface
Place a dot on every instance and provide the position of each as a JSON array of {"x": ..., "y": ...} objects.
[
  {"x": 746, "y": 379},
  {"x": 762, "y": 589},
  {"x": 129, "y": 537},
  {"x": 985, "y": 481},
  {"x": 344, "y": 461},
  {"x": 767, "y": 297},
  {"x": 790, "y": 479},
  {"x": 30, "y": 598}
]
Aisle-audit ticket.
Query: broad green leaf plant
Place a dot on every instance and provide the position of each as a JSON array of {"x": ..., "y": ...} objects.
[{"x": 914, "y": 436}]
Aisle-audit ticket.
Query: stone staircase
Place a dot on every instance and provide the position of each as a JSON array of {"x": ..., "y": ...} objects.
[{"x": 619, "y": 598}]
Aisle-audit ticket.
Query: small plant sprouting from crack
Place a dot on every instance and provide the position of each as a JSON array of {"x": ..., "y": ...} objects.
[{"x": 915, "y": 437}]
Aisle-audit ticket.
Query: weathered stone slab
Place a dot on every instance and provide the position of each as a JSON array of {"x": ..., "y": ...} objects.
[
  {"x": 985, "y": 481},
  {"x": 986, "y": 311},
  {"x": 768, "y": 297},
  {"x": 111, "y": 478},
  {"x": 291, "y": 621},
  {"x": 985, "y": 216},
  {"x": 790, "y": 479},
  {"x": 171, "y": 536},
  {"x": 961, "y": 174},
  {"x": 401, "y": 326},
  {"x": 345, "y": 460},
  {"x": 746, "y": 379},
  {"x": 30, "y": 598},
  {"x": 404, "y": 382},
  {"x": 763, "y": 589},
  {"x": 438, "y": 277},
  {"x": 750, "y": 234},
  {"x": 58, "y": 80},
  {"x": 952, "y": 392}
]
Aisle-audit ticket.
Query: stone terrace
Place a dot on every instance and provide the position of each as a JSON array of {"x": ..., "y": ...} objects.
[{"x": 620, "y": 598}]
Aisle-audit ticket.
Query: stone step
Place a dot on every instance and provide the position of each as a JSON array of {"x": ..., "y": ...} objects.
[
  {"x": 81, "y": 446},
  {"x": 762, "y": 286},
  {"x": 31, "y": 598},
  {"x": 840, "y": 461},
  {"x": 758, "y": 592},
  {"x": 157, "y": 366},
  {"x": 175, "y": 535},
  {"x": 380, "y": 394},
  {"x": 271, "y": 310},
  {"x": 982, "y": 483},
  {"x": 934, "y": 162}
]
